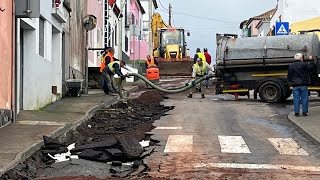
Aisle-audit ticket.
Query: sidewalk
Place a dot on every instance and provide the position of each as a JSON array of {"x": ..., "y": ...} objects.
[
  {"x": 309, "y": 125},
  {"x": 21, "y": 139}
]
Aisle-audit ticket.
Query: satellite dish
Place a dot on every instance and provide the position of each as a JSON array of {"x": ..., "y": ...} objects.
[{"x": 89, "y": 22}]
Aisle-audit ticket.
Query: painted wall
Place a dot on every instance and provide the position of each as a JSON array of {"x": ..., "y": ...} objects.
[
  {"x": 77, "y": 39},
  {"x": 137, "y": 46},
  {"x": 264, "y": 28},
  {"x": 40, "y": 73},
  {"x": 254, "y": 30},
  {"x": 309, "y": 24},
  {"x": 6, "y": 54},
  {"x": 96, "y": 8}
]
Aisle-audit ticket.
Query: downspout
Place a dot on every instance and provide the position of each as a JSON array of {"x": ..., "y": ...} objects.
[{"x": 14, "y": 90}]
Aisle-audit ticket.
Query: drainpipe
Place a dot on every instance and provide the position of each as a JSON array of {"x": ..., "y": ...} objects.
[{"x": 14, "y": 68}]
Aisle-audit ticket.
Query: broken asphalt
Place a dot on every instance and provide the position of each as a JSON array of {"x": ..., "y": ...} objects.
[{"x": 21, "y": 139}]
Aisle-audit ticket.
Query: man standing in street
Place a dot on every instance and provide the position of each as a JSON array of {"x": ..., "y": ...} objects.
[
  {"x": 208, "y": 59},
  {"x": 200, "y": 69},
  {"x": 207, "y": 55},
  {"x": 298, "y": 76},
  {"x": 198, "y": 54}
]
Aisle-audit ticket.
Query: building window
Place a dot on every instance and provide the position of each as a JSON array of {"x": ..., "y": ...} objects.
[
  {"x": 99, "y": 36},
  {"x": 126, "y": 43},
  {"x": 41, "y": 36}
]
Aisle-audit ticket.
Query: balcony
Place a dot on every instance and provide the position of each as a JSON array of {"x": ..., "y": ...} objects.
[{"x": 57, "y": 11}]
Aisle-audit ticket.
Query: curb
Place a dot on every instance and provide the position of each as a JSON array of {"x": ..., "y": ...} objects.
[
  {"x": 27, "y": 152},
  {"x": 303, "y": 130}
]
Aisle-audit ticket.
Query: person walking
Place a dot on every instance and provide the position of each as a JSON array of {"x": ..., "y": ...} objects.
[
  {"x": 198, "y": 54},
  {"x": 298, "y": 76},
  {"x": 200, "y": 69}
]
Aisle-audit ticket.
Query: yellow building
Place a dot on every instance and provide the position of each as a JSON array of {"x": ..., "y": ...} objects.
[{"x": 305, "y": 25}]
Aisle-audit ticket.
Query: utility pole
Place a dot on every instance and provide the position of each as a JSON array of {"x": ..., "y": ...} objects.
[
  {"x": 150, "y": 27},
  {"x": 170, "y": 13}
]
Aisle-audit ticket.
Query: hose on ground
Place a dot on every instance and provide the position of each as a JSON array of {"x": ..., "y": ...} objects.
[{"x": 175, "y": 91}]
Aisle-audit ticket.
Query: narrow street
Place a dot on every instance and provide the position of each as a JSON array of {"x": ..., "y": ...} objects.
[{"x": 224, "y": 139}]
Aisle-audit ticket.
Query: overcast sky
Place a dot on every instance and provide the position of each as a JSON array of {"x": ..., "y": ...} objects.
[{"x": 203, "y": 31}]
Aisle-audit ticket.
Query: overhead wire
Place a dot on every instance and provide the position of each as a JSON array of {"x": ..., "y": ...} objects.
[
  {"x": 199, "y": 17},
  {"x": 163, "y": 6}
]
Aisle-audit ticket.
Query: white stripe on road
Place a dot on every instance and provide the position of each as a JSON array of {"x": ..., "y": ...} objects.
[
  {"x": 179, "y": 143},
  {"x": 233, "y": 144},
  {"x": 287, "y": 146},
  {"x": 41, "y": 123},
  {"x": 168, "y": 128},
  {"x": 257, "y": 166}
]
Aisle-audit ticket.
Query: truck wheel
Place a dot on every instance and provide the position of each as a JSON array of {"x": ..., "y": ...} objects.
[
  {"x": 270, "y": 92},
  {"x": 286, "y": 96}
]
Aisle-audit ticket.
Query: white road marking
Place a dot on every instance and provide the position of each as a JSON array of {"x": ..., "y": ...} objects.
[
  {"x": 179, "y": 143},
  {"x": 42, "y": 123},
  {"x": 287, "y": 146},
  {"x": 257, "y": 166},
  {"x": 168, "y": 128},
  {"x": 233, "y": 144}
]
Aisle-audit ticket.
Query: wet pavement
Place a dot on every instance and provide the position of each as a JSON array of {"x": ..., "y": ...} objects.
[
  {"x": 212, "y": 138},
  {"x": 219, "y": 138}
]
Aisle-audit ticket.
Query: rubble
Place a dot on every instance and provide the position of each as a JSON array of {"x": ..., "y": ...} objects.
[{"x": 114, "y": 140}]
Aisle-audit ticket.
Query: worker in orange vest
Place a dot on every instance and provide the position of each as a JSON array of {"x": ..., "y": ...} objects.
[
  {"x": 151, "y": 62},
  {"x": 105, "y": 60}
]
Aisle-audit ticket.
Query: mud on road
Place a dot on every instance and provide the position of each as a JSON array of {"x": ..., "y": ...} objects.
[{"x": 111, "y": 135}]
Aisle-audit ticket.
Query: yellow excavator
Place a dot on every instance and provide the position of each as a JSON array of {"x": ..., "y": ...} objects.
[{"x": 170, "y": 48}]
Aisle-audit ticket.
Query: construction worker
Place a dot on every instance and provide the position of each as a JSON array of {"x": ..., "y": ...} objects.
[
  {"x": 208, "y": 59},
  {"x": 109, "y": 71},
  {"x": 200, "y": 69},
  {"x": 106, "y": 58},
  {"x": 198, "y": 54},
  {"x": 151, "y": 62}
]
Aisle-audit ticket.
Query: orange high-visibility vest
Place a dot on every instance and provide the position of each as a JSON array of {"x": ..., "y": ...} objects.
[
  {"x": 103, "y": 61},
  {"x": 151, "y": 63}
]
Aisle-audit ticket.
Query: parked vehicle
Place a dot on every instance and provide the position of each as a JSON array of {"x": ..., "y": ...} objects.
[{"x": 261, "y": 64}]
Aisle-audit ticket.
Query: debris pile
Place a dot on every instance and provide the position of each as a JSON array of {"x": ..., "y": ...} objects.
[{"x": 114, "y": 139}]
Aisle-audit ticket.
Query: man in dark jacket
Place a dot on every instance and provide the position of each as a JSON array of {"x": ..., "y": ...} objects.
[{"x": 298, "y": 76}]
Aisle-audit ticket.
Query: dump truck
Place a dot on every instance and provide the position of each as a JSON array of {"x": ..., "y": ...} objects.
[
  {"x": 261, "y": 64},
  {"x": 170, "y": 48}
]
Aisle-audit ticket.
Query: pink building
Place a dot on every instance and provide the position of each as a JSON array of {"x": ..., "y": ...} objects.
[
  {"x": 6, "y": 61},
  {"x": 138, "y": 45},
  {"x": 96, "y": 8}
]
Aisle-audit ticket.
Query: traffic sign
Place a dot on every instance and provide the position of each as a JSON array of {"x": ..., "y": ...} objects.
[{"x": 282, "y": 28}]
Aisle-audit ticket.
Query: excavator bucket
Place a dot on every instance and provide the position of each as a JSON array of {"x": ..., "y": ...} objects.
[{"x": 175, "y": 67}]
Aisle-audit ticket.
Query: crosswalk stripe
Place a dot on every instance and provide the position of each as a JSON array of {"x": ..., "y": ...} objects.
[
  {"x": 168, "y": 128},
  {"x": 179, "y": 143},
  {"x": 233, "y": 144},
  {"x": 287, "y": 146},
  {"x": 257, "y": 166}
]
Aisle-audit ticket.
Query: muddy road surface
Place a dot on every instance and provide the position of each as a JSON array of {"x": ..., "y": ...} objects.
[{"x": 211, "y": 138}]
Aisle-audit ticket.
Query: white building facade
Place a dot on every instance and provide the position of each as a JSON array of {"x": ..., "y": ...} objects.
[
  {"x": 294, "y": 11},
  {"x": 39, "y": 57}
]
